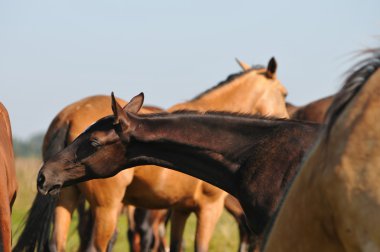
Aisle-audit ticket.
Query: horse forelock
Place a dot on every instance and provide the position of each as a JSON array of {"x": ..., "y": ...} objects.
[{"x": 357, "y": 78}]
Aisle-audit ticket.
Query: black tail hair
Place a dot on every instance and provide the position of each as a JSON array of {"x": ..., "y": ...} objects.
[{"x": 37, "y": 227}]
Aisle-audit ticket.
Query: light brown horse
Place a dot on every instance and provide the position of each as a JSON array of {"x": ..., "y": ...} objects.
[
  {"x": 8, "y": 183},
  {"x": 65, "y": 127},
  {"x": 314, "y": 111},
  {"x": 254, "y": 91},
  {"x": 334, "y": 202}
]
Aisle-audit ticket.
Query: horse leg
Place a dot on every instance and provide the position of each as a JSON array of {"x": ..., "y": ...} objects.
[
  {"x": 177, "y": 227},
  {"x": 131, "y": 232},
  {"x": 142, "y": 218},
  {"x": 113, "y": 240},
  {"x": 68, "y": 201},
  {"x": 104, "y": 225},
  {"x": 158, "y": 223},
  {"x": 207, "y": 217}
]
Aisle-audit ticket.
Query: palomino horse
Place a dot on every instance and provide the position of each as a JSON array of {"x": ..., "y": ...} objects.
[
  {"x": 65, "y": 127},
  {"x": 314, "y": 111},
  {"x": 8, "y": 183},
  {"x": 334, "y": 202},
  {"x": 254, "y": 91},
  {"x": 251, "y": 158}
]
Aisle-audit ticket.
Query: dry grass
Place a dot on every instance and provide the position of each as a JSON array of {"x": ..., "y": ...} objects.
[{"x": 225, "y": 237}]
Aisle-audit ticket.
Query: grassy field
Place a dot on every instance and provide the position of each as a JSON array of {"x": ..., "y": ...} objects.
[{"x": 225, "y": 237}]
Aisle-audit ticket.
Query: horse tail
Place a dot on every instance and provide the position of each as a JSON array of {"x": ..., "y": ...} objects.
[{"x": 37, "y": 227}]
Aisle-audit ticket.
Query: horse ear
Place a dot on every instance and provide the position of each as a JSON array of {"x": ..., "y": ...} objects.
[
  {"x": 135, "y": 104},
  {"x": 244, "y": 66},
  {"x": 117, "y": 110},
  {"x": 271, "y": 68}
]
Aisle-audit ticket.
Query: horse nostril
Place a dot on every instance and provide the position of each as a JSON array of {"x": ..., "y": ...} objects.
[{"x": 40, "y": 180}]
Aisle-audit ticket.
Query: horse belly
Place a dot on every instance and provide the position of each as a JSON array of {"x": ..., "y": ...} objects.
[
  {"x": 156, "y": 187},
  {"x": 107, "y": 191}
]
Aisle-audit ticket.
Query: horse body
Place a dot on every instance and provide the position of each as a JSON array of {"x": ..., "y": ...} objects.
[
  {"x": 8, "y": 183},
  {"x": 333, "y": 204}
]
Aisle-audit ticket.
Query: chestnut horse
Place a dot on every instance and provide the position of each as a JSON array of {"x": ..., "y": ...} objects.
[
  {"x": 251, "y": 158},
  {"x": 8, "y": 183},
  {"x": 254, "y": 91},
  {"x": 334, "y": 202}
]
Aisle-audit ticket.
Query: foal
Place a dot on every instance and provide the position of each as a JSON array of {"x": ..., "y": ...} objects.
[{"x": 251, "y": 158}]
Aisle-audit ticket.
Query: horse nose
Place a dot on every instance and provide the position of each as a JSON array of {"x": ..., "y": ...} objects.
[{"x": 40, "y": 180}]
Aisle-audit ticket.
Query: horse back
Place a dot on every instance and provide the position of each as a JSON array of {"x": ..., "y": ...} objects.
[{"x": 314, "y": 111}]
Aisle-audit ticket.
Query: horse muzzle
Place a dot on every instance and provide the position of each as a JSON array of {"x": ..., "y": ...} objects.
[{"x": 47, "y": 185}]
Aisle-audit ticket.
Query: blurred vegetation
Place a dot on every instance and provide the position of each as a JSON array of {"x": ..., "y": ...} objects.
[
  {"x": 225, "y": 237},
  {"x": 30, "y": 147}
]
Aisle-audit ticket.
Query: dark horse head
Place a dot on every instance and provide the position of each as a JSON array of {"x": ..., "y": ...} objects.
[{"x": 98, "y": 152}]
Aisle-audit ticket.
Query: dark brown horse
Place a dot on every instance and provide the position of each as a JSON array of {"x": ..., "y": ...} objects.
[
  {"x": 8, "y": 183},
  {"x": 334, "y": 203},
  {"x": 251, "y": 158},
  {"x": 314, "y": 111}
]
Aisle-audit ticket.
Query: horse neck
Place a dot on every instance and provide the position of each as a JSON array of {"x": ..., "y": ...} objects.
[
  {"x": 243, "y": 94},
  {"x": 200, "y": 146}
]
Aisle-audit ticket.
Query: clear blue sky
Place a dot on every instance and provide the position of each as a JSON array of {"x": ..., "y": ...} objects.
[{"x": 53, "y": 53}]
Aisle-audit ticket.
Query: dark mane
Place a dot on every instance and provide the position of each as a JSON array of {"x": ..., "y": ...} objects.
[
  {"x": 229, "y": 79},
  {"x": 359, "y": 75},
  {"x": 227, "y": 114}
]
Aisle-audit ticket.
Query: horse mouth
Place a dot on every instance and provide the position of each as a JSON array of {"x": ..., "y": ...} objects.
[{"x": 54, "y": 190}]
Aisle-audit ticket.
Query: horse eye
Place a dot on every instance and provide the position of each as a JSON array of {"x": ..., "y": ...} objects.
[{"x": 95, "y": 143}]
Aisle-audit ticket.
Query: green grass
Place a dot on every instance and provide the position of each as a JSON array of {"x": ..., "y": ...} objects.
[{"x": 225, "y": 237}]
